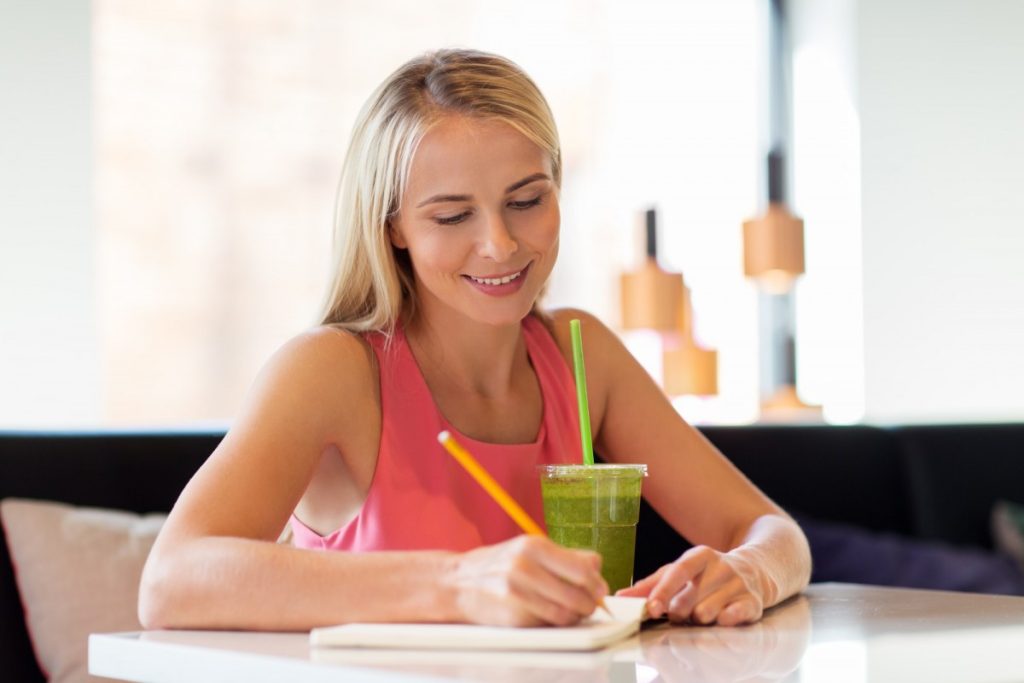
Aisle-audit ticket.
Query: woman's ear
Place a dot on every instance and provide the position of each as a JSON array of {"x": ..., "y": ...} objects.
[{"x": 395, "y": 234}]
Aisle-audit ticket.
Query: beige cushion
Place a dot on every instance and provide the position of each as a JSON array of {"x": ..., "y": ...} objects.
[{"x": 78, "y": 573}]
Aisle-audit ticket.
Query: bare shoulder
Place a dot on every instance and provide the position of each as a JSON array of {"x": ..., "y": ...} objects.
[
  {"x": 317, "y": 391},
  {"x": 325, "y": 355},
  {"x": 323, "y": 380}
]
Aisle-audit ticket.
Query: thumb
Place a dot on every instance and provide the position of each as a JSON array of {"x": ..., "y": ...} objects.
[{"x": 643, "y": 587}]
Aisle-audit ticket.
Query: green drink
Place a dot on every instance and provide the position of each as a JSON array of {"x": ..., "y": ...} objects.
[{"x": 595, "y": 507}]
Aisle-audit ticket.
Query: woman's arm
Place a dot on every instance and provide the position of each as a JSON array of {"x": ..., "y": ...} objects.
[
  {"x": 748, "y": 552},
  {"x": 216, "y": 565}
]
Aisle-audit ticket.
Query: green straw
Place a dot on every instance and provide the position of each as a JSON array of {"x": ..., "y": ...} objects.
[{"x": 581, "y": 391}]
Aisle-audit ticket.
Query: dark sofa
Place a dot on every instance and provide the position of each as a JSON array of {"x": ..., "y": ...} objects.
[{"x": 936, "y": 482}]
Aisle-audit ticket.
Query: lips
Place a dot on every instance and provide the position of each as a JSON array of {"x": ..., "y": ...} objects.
[
  {"x": 499, "y": 284},
  {"x": 498, "y": 279}
]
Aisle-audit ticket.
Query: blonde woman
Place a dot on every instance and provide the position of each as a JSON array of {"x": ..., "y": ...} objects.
[{"x": 447, "y": 230}]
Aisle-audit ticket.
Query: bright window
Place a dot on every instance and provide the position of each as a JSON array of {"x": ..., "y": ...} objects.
[{"x": 220, "y": 129}]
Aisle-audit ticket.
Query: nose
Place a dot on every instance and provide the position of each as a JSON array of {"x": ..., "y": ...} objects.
[{"x": 497, "y": 242}]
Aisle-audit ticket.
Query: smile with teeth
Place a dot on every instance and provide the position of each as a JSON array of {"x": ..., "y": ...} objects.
[{"x": 496, "y": 280}]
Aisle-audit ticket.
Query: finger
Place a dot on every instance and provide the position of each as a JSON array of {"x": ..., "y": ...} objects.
[
  {"x": 643, "y": 587},
  {"x": 537, "y": 599},
  {"x": 569, "y": 602},
  {"x": 680, "y": 605},
  {"x": 684, "y": 570},
  {"x": 711, "y": 600},
  {"x": 533, "y": 579},
  {"x": 719, "y": 584},
  {"x": 745, "y": 610},
  {"x": 580, "y": 568}
]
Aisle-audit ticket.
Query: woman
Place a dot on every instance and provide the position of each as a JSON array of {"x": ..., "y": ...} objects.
[{"x": 448, "y": 226}]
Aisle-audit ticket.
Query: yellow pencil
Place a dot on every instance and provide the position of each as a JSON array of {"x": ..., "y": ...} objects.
[{"x": 500, "y": 496}]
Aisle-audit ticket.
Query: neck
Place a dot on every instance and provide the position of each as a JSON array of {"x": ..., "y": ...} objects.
[{"x": 476, "y": 357}]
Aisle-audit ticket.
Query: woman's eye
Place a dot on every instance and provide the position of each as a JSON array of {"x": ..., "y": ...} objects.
[
  {"x": 460, "y": 217},
  {"x": 520, "y": 206},
  {"x": 452, "y": 220}
]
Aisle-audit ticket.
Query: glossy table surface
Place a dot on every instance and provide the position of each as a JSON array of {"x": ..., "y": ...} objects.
[{"x": 832, "y": 633}]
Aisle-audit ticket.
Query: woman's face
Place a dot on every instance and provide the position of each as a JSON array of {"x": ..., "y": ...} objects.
[{"x": 479, "y": 219}]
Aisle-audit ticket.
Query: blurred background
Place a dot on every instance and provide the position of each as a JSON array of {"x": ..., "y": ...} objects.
[{"x": 168, "y": 171}]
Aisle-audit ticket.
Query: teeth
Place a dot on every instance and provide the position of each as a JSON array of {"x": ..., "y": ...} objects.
[{"x": 496, "y": 280}]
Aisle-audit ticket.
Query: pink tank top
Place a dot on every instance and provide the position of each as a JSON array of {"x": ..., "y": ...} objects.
[{"x": 420, "y": 497}]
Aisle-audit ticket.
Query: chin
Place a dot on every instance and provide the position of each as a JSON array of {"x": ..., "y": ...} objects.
[
  {"x": 500, "y": 313},
  {"x": 501, "y": 318}
]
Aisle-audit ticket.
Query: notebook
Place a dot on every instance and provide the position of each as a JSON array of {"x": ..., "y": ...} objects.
[{"x": 594, "y": 633}]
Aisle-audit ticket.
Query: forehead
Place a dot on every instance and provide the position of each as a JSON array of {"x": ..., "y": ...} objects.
[{"x": 458, "y": 153}]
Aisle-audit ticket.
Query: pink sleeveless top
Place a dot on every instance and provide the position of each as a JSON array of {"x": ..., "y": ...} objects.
[{"x": 420, "y": 497}]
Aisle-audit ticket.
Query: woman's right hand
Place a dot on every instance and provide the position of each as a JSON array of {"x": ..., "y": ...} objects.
[{"x": 527, "y": 581}]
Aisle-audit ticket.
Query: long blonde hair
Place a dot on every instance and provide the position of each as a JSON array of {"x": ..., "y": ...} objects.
[{"x": 372, "y": 281}]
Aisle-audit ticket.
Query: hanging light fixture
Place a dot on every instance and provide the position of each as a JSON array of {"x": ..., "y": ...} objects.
[
  {"x": 659, "y": 300},
  {"x": 773, "y": 251},
  {"x": 773, "y": 243},
  {"x": 651, "y": 296},
  {"x": 687, "y": 367}
]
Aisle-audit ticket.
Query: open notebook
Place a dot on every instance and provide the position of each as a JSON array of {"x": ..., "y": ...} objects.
[{"x": 596, "y": 632}]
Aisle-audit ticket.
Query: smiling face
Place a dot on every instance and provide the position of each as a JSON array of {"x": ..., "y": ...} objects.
[{"x": 479, "y": 219}]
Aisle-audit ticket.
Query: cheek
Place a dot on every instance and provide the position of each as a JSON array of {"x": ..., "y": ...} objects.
[
  {"x": 437, "y": 251},
  {"x": 556, "y": 219},
  {"x": 553, "y": 225},
  {"x": 543, "y": 230}
]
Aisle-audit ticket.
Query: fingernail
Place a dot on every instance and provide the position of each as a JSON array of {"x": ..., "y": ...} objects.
[{"x": 654, "y": 608}]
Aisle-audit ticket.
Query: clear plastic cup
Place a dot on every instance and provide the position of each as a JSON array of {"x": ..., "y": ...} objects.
[{"x": 595, "y": 507}]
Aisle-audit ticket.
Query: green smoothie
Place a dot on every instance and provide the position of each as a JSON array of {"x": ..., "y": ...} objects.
[{"x": 595, "y": 507}]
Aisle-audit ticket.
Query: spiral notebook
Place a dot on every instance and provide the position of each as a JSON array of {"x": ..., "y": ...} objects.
[{"x": 594, "y": 633}]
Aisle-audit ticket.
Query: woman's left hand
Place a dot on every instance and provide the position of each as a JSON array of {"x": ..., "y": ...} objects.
[{"x": 704, "y": 586}]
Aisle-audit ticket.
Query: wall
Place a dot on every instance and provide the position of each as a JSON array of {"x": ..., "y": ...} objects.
[
  {"x": 217, "y": 130},
  {"x": 941, "y": 104},
  {"x": 48, "y": 345},
  {"x": 826, "y": 194},
  {"x": 920, "y": 149}
]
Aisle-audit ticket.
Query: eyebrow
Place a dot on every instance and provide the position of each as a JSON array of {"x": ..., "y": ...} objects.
[{"x": 437, "y": 198}]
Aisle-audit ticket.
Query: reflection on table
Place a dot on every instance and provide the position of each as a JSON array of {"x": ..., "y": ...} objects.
[
  {"x": 834, "y": 632},
  {"x": 769, "y": 650}
]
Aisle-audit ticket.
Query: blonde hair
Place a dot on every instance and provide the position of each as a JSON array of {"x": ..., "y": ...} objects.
[{"x": 372, "y": 281}]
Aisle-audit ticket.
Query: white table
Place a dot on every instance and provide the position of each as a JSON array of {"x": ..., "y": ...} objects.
[{"x": 833, "y": 633}]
